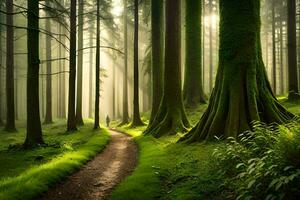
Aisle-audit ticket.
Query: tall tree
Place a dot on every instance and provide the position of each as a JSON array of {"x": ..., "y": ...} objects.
[
  {"x": 10, "y": 85},
  {"x": 72, "y": 77},
  {"x": 292, "y": 50},
  {"x": 193, "y": 90},
  {"x": 1, "y": 65},
  {"x": 242, "y": 92},
  {"x": 48, "y": 116},
  {"x": 79, "y": 119},
  {"x": 211, "y": 67},
  {"x": 171, "y": 117},
  {"x": 91, "y": 35},
  {"x": 125, "y": 117},
  {"x": 274, "y": 69},
  {"x": 136, "y": 121},
  {"x": 34, "y": 128},
  {"x": 97, "y": 73},
  {"x": 157, "y": 54}
]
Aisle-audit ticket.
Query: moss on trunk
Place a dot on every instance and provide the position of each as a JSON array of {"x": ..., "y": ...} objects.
[
  {"x": 242, "y": 92},
  {"x": 193, "y": 90},
  {"x": 171, "y": 117}
]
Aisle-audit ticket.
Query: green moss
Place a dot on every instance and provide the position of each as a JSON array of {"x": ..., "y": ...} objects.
[{"x": 30, "y": 172}]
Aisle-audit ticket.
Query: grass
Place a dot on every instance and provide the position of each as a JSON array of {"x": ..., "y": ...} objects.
[
  {"x": 31, "y": 172},
  {"x": 169, "y": 170}
]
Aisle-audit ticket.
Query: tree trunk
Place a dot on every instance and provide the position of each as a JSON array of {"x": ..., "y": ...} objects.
[
  {"x": 79, "y": 119},
  {"x": 157, "y": 35},
  {"x": 114, "y": 87},
  {"x": 10, "y": 85},
  {"x": 281, "y": 58},
  {"x": 171, "y": 117},
  {"x": 91, "y": 72},
  {"x": 63, "y": 80},
  {"x": 97, "y": 73},
  {"x": 72, "y": 65},
  {"x": 125, "y": 116},
  {"x": 242, "y": 92},
  {"x": 193, "y": 93},
  {"x": 274, "y": 78},
  {"x": 1, "y": 65},
  {"x": 48, "y": 116},
  {"x": 211, "y": 67},
  {"x": 292, "y": 50},
  {"x": 136, "y": 120},
  {"x": 34, "y": 129}
]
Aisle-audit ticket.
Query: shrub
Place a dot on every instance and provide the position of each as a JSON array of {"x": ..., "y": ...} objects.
[{"x": 263, "y": 163}]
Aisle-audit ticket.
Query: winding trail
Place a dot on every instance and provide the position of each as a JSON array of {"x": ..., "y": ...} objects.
[{"x": 97, "y": 178}]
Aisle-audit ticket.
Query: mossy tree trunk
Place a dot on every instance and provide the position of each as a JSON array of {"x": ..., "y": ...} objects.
[
  {"x": 292, "y": 50},
  {"x": 157, "y": 35},
  {"x": 242, "y": 92},
  {"x": 1, "y": 64},
  {"x": 10, "y": 86},
  {"x": 125, "y": 116},
  {"x": 34, "y": 128},
  {"x": 97, "y": 72},
  {"x": 136, "y": 119},
  {"x": 171, "y": 117},
  {"x": 71, "y": 125},
  {"x": 48, "y": 116},
  {"x": 193, "y": 93},
  {"x": 79, "y": 119}
]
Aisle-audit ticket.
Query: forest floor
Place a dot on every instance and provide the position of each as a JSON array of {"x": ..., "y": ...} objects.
[
  {"x": 171, "y": 170},
  {"x": 98, "y": 177},
  {"x": 26, "y": 173}
]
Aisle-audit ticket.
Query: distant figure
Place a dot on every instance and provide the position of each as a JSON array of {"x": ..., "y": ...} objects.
[{"x": 107, "y": 121}]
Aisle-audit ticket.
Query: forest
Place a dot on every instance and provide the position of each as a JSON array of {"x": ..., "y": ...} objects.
[{"x": 149, "y": 99}]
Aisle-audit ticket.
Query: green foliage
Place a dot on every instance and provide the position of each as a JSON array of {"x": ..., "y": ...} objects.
[
  {"x": 169, "y": 170},
  {"x": 31, "y": 172},
  {"x": 263, "y": 163}
]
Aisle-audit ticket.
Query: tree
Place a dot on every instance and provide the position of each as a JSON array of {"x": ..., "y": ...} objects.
[
  {"x": 136, "y": 121},
  {"x": 211, "y": 66},
  {"x": 48, "y": 116},
  {"x": 125, "y": 117},
  {"x": 1, "y": 62},
  {"x": 97, "y": 73},
  {"x": 242, "y": 92},
  {"x": 34, "y": 128},
  {"x": 292, "y": 50},
  {"x": 10, "y": 86},
  {"x": 193, "y": 90},
  {"x": 274, "y": 81},
  {"x": 91, "y": 35},
  {"x": 171, "y": 117},
  {"x": 72, "y": 77},
  {"x": 157, "y": 55},
  {"x": 79, "y": 119}
]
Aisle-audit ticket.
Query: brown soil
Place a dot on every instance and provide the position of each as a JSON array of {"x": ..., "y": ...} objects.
[{"x": 98, "y": 178}]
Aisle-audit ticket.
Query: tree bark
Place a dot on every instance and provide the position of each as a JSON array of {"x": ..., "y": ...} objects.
[
  {"x": 211, "y": 67},
  {"x": 242, "y": 92},
  {"x": 10, "y": 85},
  {"x": 72, "y": 77},
  {"x": 157, "y": 34},
  {"x": 136, "y": 120},
  {"x": 171, "y": 117},
  {"x": 1, "y": 65},
  {"x": 91, "y": 72},
  {"x": 274, "y": 74},
  {"x": 34, "y": 129},
  {"x": 125, "y": 116},
  {"x": 193, "y": 94},
  {"x": 79, "y": 119},
  {"x": 292, "y": 50},
  {"x": 48, "y": 116},
  {"x": 97, "y": 73}
]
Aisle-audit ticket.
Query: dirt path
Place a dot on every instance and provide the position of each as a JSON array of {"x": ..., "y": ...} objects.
[{"x": 97, "y": 178}]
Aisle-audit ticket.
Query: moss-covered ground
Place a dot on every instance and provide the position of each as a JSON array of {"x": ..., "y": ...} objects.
[
  {"x": 31, "y": 172},
  {"x": 170, "y": 170}
]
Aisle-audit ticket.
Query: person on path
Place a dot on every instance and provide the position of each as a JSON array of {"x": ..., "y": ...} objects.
[{"x": 107, "y": 121}]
